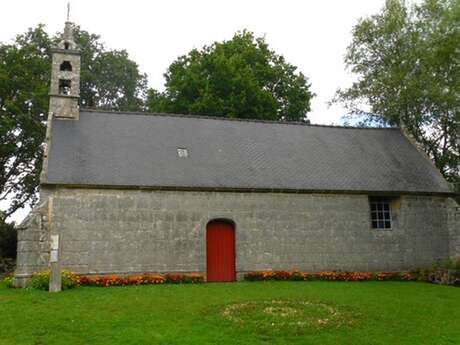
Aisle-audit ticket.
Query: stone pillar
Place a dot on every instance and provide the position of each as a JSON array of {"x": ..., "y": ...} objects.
[{"x": 55, "y": 284}]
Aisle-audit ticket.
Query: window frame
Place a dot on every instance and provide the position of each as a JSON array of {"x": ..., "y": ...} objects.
[{"x": 381, "y": 213}]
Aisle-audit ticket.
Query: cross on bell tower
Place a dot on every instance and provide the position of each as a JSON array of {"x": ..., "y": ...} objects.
[{"x": 65, "y": 76}]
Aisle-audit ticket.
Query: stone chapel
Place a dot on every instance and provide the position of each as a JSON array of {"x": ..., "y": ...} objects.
[{"x": 125, "y": 193}]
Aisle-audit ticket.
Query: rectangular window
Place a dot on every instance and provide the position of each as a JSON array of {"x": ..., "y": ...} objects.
[{"x": 380, "y": 212}]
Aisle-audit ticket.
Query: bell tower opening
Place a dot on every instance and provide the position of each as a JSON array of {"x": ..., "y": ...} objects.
[
  {"x": 66, "y": 66},
  {"x": 64, "y": 87}
]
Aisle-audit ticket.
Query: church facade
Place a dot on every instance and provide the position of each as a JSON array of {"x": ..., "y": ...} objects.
[{"x": 125, "y": 193}]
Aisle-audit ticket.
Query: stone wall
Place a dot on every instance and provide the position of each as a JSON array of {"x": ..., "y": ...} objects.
[
  {"x": 454, "y": 228},
  {"x": 63, "y": 106},
  {"x": 33, "y": 244},
  {"x": 125, "y": 231}
]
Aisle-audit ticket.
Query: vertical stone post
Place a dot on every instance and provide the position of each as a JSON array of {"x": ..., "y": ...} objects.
[{"x": 55, "y": 284}]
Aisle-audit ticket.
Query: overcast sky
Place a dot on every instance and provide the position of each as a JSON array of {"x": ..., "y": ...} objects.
[{"x": 312, "y": 35}]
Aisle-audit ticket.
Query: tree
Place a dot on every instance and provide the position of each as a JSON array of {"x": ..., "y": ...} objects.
[
  {"x": 407, "y": 60},
  {"x": 239, "y": 78},
  {"x": 8, "y": 241},
  {"x": 109, "y": 79}
]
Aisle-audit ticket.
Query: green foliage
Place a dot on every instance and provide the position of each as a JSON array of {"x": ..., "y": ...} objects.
[
  {"x": 8, "y": 240},
  {"x": 449, "y": 264},
  {"x": 446, "y": 272},
  {"x": 8, "y": 281},
  {"x": 408, "y": 66},
  {"x": 109, "y": 79},
  {"x": 24, "y": 79},
  {"x": 41, "y": 280},
  {"x": 239, "y": 78}
]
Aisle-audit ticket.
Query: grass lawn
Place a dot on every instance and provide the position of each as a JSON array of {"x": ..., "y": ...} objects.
[{"x": 238, "y": 313}]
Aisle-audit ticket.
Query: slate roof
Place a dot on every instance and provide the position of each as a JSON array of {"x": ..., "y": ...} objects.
[{"x": 140, "y": 150}]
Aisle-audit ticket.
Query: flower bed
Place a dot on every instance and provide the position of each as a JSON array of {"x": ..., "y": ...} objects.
[
  {"x": 276, "y": 275},
  {"x": 329, "y": 275},
  {"x": 140, "y": 279},
  {"x": 40, "y": 280}
]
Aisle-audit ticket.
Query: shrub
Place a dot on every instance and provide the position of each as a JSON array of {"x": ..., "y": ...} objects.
[
  {"x": 195, "y": 278},
  {"x": 281, "y": 275},
  {"x": 69, "y": 280},
  {"x": 173, "y": 278},
  {"x": 110, "y": 280},
  {"x": 8, "y": 281},
  {"x": 382, "y": 276},
  {"x": 453, "y": 264},
  {"x": 41, "y": 280},
  {"x": 298, "y": 276},
  {"x": 446, "y": 272},
  {"x": 184, "y": 278},
  {"x": 254, "y": 276},
  {"x": 344, "y": 276},
  {"x": 154, "y": 279}
]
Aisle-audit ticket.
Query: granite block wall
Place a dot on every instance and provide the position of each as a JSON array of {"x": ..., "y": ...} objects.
[
  {"x": 454, "y": 228},
  {"x": 126, "y": 231},
  {"x": 33, "y": 243}
]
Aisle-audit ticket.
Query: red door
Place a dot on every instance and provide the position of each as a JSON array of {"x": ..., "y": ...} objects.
[{"x": 220, "y": 252}]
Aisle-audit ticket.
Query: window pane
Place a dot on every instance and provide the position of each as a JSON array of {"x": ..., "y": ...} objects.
[{"x": 380, "y": 212}]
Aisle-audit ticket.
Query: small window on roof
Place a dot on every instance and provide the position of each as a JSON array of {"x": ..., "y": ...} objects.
[
  {"x": 380, "y": 212},
  {"x": 182, "y": 152}
]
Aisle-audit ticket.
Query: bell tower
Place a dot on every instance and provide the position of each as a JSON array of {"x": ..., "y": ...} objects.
[{"x": 65, "y": 77}]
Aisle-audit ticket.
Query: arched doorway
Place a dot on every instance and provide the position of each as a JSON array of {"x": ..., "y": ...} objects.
[{"x": 220, "y": 251}]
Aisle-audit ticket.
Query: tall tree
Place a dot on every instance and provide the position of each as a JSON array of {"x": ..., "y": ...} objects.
[
  {"x": 109, "y": 79},
  {"x": 407, "y": 62},
  {"x": 240, "y": 78}
]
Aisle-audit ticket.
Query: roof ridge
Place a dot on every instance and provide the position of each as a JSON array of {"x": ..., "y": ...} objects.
[{"x": 193, "y": 116}]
